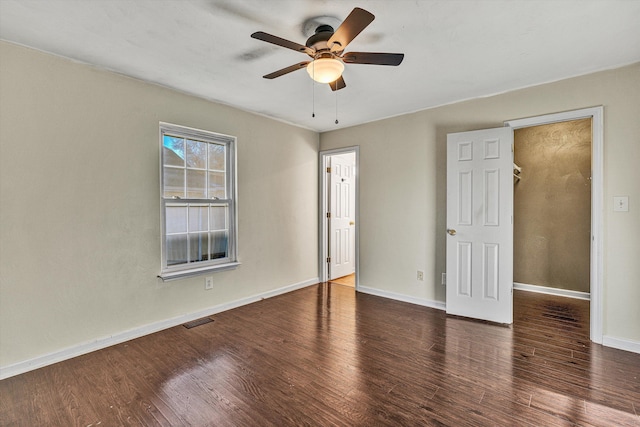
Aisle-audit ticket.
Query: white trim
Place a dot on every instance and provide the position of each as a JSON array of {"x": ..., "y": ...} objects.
[
  {"x": 597, "y": 202},
  {"x": 552, "y": 291},
  {"x": 438, "y": 305},
  {"x": 166, "y": 277},
  {"x": 621, "y": 344},
  {"x": 120, "y": 337},
  {"x": 323, "y": 249},
  {"x": 323, "y": 231}
]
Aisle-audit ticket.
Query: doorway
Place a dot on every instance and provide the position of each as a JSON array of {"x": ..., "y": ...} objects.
[
  {"x": 339, "y": 216},
  {"x": 596, "y": 205},
  {"x": 552, "y": 208}
]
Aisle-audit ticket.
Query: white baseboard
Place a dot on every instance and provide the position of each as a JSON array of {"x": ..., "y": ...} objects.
[
  {"x": 103, "y": 342},
  {"x": 404, "y": 298},
  {"x": 552, "y": 291},
  {"x": 621, "y": 344}
]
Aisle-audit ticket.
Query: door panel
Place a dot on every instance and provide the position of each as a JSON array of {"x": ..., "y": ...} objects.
[{"x": 480, "y": 225}]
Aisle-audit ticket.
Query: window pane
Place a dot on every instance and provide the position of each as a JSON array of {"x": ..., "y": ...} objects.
[
  {"x": 216, "y": 157},
  {"x": 219, "y": 245},
  {"x": 176, "y": 219},
  {"x": 198, "y": 218},
  {"x": 218, "y": 217},
  {"x": 199, "y": 247},
  {"x": 177, "y": 249},
  {"x": 173, "y": 151},
  {"x": 173, "y": 182},
  {"x": 196, "y": 154},
  {"x": 196, "y": 184},
  {"x": 217, "y": 185}
]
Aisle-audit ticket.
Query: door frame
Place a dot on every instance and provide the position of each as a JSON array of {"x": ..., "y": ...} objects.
[
  {"x": 323, "y": 205},
  {"x": 597, "y": 201}
]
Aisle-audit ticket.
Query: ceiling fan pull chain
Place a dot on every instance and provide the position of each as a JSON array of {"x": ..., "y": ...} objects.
[
  {"x": 313, "y": 93},
  {"x": 313, "y": 98},
  {"x": 336, "y": 92}
]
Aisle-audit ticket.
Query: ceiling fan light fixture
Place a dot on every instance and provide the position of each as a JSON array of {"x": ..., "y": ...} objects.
[
  {"x": 325, "y": 70},
  {"x": 326, "y": 48}
]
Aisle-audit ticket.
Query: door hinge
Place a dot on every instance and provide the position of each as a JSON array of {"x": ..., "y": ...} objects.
[
  {"x": 329, "y": 170},
  {"x": 328, "y": 260},
  {"x": 328, "y": 214}
]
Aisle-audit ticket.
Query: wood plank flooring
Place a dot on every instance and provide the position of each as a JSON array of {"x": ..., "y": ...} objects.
[{"x": 328, "y": 356}]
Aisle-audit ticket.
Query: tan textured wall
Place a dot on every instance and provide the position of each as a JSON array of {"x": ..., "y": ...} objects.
[{"x": 552, "y": 205}]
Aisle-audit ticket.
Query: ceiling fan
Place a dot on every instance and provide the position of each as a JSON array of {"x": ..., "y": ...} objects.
[{"x": 326, "y": 48}]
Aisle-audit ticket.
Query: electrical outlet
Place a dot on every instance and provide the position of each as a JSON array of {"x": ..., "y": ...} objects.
[
  {"x": 208, "y": 283},
  {"x": 420, "y": 275},
  {"x": 444, "y": 278}
]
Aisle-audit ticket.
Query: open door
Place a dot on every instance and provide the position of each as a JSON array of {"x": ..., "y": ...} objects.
[{"x": 480, "y": 224}]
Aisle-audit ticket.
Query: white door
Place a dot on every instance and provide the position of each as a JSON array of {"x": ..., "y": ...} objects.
[
  {"x": 342, "y": 240},
  {"x": 480, "y": 224}
]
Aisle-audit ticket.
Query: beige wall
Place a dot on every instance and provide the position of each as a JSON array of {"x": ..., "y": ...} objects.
[
  {"x": 403, "y": 186},
  {"x": 552, "y": 205},
  {"x": 80, "y": 209}
]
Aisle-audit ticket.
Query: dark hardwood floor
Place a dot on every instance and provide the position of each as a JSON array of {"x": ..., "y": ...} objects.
[{"x": 327, "y": 356}]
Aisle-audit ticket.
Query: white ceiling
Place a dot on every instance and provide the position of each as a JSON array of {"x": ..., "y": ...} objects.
[{"x": 454, "y": 50}]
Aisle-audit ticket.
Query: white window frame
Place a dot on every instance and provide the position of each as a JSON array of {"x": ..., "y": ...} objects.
[{"x": 169, "y": 272}]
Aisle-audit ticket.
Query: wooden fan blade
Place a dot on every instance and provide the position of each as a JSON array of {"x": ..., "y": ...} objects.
[
  {"x": 353, "y": 25},
  {"x": 279, "y": 41},
  {"x": 338, "y": 84},
  {"x": 373, "y": 58},
  {"x": 286, "y": 70}
]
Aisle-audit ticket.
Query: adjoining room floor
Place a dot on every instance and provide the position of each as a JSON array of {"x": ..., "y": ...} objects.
[
  {"x": 349, "y": 280},
  {"x": 329, "y": 356}
]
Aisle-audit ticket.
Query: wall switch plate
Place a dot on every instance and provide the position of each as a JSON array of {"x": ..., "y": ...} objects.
[
  {"x": 208, "y": 283},
  {"x": 444, "y": 278},
  {"x": 621, "y": 204},
  {"x": 420, "y": 275}
]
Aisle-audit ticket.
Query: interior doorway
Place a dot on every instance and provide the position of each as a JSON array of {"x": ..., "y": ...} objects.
[
  {"x": 338, "y": 216},
  {"x": 552, "y": 208},
  {"x": 595, "y": 115}
]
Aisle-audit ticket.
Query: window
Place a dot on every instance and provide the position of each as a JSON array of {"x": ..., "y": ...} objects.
[{"x": 198, "y": 194}]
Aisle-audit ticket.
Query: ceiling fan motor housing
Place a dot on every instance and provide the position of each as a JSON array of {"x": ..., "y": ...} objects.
[{"x": 318, "y": 41}]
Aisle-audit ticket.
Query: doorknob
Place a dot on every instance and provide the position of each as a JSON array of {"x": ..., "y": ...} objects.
[
  {"x": 352, "y": 223},
  {"x": 451, "y": 231}
]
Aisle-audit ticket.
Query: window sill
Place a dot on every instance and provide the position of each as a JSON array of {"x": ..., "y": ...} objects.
[{"x": 181, "y": 274}]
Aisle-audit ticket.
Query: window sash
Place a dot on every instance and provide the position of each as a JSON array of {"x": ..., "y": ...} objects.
[{"x": 189, "y": 231}]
